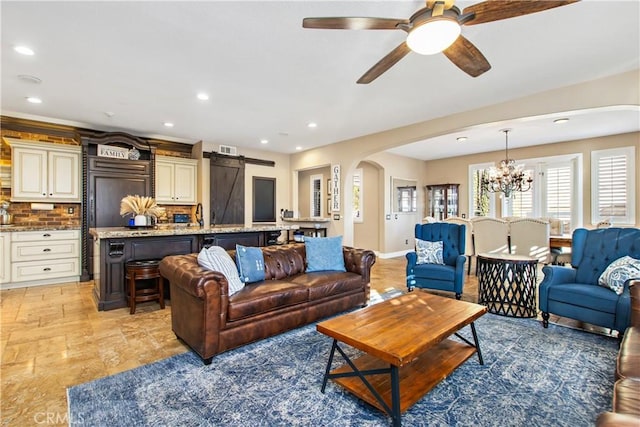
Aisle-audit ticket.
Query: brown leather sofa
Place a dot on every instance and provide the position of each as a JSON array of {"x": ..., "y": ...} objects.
[
  {"x": 210, "y": 321},
  {"x": 626, "y": 390}
]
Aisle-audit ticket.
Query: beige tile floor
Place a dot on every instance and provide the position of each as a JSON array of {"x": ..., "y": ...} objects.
[{"x": 53, "y": 337}]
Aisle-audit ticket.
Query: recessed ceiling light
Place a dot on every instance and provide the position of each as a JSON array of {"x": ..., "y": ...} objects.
[
  {"x": 561, "y": 120},
  {"x": 34, "y": 100},
  {"x": 312, "y": 125},
  {"x": 168, "y": 124},
  {"x": 264, "y": 141},
  {"x": 461, "y": 138},
  {"x": 298, "y": 148},
  {"x": 24, "y": 50},
  {"x": 203, "y": 96}
]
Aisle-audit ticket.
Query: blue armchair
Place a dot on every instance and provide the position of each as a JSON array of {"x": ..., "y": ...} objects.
[
  {"x": 574, "y": 292},
  {"x": 444, "y": 277}
]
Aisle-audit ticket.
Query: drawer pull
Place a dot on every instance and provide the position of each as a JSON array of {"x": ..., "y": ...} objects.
[
  {"x": 46, "y": 269},
  {"x": 46, "y": 250},
  {"x": 46, "y": 235}
]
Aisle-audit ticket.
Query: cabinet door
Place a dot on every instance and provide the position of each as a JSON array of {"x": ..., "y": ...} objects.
[
  {"x": 64, "y": 176},
  {"x": 5, "y": 258},
  {"x": 29, "y": 177},
  {"x": 164, "y": 182},
  {"x": 185, "y": 184}
]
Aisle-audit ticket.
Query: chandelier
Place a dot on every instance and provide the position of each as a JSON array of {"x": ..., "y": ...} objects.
[{"x": 508, "y": 177}]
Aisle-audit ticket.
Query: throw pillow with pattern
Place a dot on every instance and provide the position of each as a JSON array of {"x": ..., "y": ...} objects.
[
  {"x": 429, "y": 252},
  {"x": 618, "y": 272},
  {"x": 216, "y": 258}
]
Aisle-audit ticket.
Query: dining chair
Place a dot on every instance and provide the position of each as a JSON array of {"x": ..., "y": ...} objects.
[
  {"x": 469, "y": 251},
  {"x": 605, "y": 223},
  {"x": 530, "y": 237},
  {"x": 490, "y": 235}
]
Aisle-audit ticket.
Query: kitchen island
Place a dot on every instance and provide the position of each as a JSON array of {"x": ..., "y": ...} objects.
[{"x": 114, "y": 246}]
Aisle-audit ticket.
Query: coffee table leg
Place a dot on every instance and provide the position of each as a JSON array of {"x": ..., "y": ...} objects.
[
  {"x": 476, "y": 342},
  {"x": 395, "y": 396},
  {"x": 326, "y": 372}
]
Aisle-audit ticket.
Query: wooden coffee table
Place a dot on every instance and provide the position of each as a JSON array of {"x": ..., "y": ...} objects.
[{"x": 407, "y": 352}]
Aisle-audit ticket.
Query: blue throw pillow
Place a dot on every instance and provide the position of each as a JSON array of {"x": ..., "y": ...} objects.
[
  {"x": 250, "y": 263},
  {"x": 324, "y": 254}
]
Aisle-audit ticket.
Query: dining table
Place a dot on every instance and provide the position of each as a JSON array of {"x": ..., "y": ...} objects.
[{"x": 560, "y": 241}]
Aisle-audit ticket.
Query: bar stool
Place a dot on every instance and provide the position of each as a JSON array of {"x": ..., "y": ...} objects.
[{"x": 144, "y": 270}]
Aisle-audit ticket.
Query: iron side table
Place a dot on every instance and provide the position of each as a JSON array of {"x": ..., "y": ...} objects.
[{"x": 507, "y": 284}]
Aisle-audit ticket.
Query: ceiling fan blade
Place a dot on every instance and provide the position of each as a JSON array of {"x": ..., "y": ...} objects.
[
  {"x": 467, "y": 57},
  {"x": 495, "y": 10},
  {"x": 353, "y": 23},
  {"x": 385, "y": 63}
]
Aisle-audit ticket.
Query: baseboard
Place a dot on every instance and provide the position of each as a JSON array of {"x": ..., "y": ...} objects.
[{"x": 384, "y": 255}]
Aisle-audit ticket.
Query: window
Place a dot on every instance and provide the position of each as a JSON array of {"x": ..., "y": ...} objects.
[
  {"x": 407, "y": 199},
  {"x": 559, "y": 194},
  {"x": 521, "y": 204},
  {"x": 555, "y": 192},
  {"x": 481, "y": 202},
  {"x": 613, "y": 185},
  {"x": 315, "y": 193},
  {"x": 357, "y": 196}
]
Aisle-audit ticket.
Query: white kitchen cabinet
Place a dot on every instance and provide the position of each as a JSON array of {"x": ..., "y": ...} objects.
[
  {"x": 44, "y": 257},
  {"x": 5, "y": 259},
  {"x": 176, "y": 180},
  {"x": 45, "y": 172}
]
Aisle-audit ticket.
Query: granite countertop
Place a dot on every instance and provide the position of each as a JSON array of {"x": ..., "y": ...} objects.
[
  {"x": 19, "y": 227},
  {"x": 173, "y": 230},
  {"x": 317, "y": 220}
]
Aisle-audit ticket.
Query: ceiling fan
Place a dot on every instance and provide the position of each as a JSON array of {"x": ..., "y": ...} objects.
[{"x": 436, "y": 28}]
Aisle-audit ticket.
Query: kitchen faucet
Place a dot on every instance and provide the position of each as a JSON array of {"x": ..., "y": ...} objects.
[{"x": 199, "y": 216}]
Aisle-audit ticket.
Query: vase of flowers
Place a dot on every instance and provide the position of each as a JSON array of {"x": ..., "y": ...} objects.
[{"x": 141, "y": 207}]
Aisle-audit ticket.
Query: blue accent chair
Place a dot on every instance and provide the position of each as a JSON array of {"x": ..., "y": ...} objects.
[
  {"x": 447, "y": 277},
  {"x": 574, "y": 292}
]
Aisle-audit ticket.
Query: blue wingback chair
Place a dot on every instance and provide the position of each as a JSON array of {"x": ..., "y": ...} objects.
[
  {"x": 574, "y": 292},
  {"x": 447, "y": 277}
]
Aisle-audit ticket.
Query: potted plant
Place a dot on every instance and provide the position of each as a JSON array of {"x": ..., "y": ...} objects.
[{"x": 140, "y": 207}]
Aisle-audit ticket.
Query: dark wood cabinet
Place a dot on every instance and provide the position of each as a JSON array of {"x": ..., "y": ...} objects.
[
  {"x": 442, "y": 201},
  {"x": 109, "y": 283}
]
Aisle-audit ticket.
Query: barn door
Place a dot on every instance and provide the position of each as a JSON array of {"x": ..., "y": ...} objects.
[{"x": 227, "y": 190}]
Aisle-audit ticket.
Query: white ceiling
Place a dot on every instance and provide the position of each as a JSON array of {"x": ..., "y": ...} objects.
[{"x": 267, "y": 77}]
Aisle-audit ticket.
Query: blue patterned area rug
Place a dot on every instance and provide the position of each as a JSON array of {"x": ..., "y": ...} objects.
[{"x": 531, "y": 377}]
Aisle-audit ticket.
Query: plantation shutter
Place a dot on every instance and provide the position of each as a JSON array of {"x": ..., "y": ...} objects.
[
  {"x": 612, "y": 186},
  {"x": 316, "y": 208},
  {"x": 559, "y": 192},
  {"x": 522, "y": 202}
]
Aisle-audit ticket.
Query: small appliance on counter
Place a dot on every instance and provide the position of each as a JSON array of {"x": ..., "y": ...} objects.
[
  {"x": 181, "y": 218},
  {"x": 5, "y": 217}
]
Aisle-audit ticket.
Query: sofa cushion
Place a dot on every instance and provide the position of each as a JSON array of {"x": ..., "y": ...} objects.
[
  {"x": 216, "y": 258},
  {"x": 262, "y": 297},
  {"x": 618, "y": 272},
  {"x": 328, "y": 283},
  {"x": 429, "y": 252},
  {"x": 584, "y": 295},
  {"x": 628, "y": 363},
  {"x": 324, "y": 254},
  {"x": 250, "y": 263},
  {"x": 626, "y": 397}
]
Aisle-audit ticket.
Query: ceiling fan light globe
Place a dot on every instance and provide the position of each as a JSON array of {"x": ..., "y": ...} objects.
[{"x": 433, "y": 36}]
